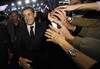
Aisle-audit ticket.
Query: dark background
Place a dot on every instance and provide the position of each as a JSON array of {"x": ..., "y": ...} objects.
[{"x": 2, "y": 2}]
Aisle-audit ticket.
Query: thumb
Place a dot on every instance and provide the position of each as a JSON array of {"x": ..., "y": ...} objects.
[{"x": 28, "y": 60}]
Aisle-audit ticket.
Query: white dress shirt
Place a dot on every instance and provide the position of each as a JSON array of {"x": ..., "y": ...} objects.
[{"x": 28, "y": 28}]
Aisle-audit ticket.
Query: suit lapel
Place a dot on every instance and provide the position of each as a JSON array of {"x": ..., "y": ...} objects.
[
  {"x": 26, "y": 31},
  {"x": 39, "y": 34},
  {"x": 38, "y": 31}
]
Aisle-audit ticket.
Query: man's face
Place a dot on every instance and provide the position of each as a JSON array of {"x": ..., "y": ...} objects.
[
  {"x": 14, "y": 17},
  {"x": 75, "y": 1},
  {"x": 29, "y": 16}
]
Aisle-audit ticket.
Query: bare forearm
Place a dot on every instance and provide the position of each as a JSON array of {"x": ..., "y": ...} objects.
[
  {"x": 82, "y": 60},
  {"x": 92, "y": 6}
]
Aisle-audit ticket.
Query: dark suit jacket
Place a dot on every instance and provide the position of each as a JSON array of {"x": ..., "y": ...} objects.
[
  {"x": 11, "y": 29},
  {"x": 35, "y": 51}
]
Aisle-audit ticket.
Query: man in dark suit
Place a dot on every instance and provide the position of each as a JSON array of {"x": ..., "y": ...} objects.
[
  {"x": 30, "y": 43},
  {"x": 13, "y": 25}
]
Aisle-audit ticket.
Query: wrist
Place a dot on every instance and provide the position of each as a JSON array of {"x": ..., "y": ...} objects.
[
  {"x": 62, "y": 42},
  {"x": 73, "y": 52},
  {"x": 71, "y": 27},
  {"x": 66, "y": 45},
  {"x": 70, "y": 39}
]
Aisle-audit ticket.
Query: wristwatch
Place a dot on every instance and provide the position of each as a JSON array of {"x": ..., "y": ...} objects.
[
  {"x": 70, "y": 19},
  {"x": 73, "y": 52}
]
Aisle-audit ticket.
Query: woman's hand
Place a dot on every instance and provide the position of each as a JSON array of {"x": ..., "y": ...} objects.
[{"x": 54, "y": 35}]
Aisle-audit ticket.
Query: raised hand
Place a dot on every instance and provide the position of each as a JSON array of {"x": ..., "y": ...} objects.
[{"x": 54, "y": 35}]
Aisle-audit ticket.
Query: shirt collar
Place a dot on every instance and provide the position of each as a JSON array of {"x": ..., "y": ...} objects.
[
  {"x": 31, "y": 25},
  {"x": 28, "y": 27}
]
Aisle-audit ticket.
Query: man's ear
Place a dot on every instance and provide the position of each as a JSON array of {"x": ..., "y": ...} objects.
[{"x": 35, "y": 14}]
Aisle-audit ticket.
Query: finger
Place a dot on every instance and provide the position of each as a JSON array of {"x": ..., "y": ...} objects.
[
  {"x": 63, "y": 12},
  {"x": 63, "y": 7},
  {"x": 57, "y": 14},
  {"x": 55, "y": 20},
  {"x": 27, "y": 60},
  {"x": 52, "y": 18},
  {"x": 27, "y": 66},
  {"x": 48, "y": 36},
  {"x": 59, "y": 11},
  {"x": 49, "y": 17},
  {"x": 48, "y": 40},
  {"x": 60, "y": 24},
  {"x": 52, "y": 14},
  {"x": 49, "y": 31}
]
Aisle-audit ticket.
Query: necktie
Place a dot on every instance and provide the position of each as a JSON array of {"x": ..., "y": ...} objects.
[{"x": 31, "y": 33}]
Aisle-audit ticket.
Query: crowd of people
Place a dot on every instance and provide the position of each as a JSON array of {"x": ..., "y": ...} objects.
[{"x": 28, "y": 42}]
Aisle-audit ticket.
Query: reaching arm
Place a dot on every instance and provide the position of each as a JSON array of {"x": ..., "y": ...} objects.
[
  {"x": 92, "y": 6},
  {"x": 82, "y": 60}
]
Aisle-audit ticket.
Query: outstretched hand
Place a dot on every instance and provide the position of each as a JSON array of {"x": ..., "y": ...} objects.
[{"x": 54, "y": 35}]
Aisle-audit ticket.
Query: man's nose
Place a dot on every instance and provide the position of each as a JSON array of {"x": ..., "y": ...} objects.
[{"x": 27, "y": 17}]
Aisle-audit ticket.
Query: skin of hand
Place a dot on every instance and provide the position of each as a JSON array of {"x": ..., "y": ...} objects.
[
  {"x": 60, "y": 15},
  {"x": 53, "y": 35},
  {"x": 25, "y": 63},
  {"x": 66, "y": 32},
  {"x": 57, "y": 38},
  {"x": 63, "y": 31},
  {"x": 50, "y": 17},
  {"x": 10, "y": 55}
]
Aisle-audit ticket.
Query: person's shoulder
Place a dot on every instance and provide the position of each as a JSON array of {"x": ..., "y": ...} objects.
[
  {"x": 21, "y": 30},
  {"x": 42, "y": 24},
  {"x": 21, "y": 23},
  {"x": 4, "y": 29},
  {"x": 3, "y": 26}
]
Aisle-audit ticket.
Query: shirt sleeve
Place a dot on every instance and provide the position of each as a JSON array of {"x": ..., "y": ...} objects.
[
  {"x": 89, "y": 46},
  {"x": 76, "y": 30}
]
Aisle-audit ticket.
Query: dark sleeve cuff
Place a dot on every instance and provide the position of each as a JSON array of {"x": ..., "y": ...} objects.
[{"x": 77, "y": 30}]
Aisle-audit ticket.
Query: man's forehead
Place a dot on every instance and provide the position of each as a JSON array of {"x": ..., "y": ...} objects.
[{"x": 27, "y": 11}]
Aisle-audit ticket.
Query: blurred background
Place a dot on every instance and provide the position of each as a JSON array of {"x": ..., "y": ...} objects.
[{"x": 39, "y": 5}]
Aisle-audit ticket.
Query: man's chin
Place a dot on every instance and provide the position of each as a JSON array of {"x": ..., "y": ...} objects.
[{"x": 29, "y": 23}]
